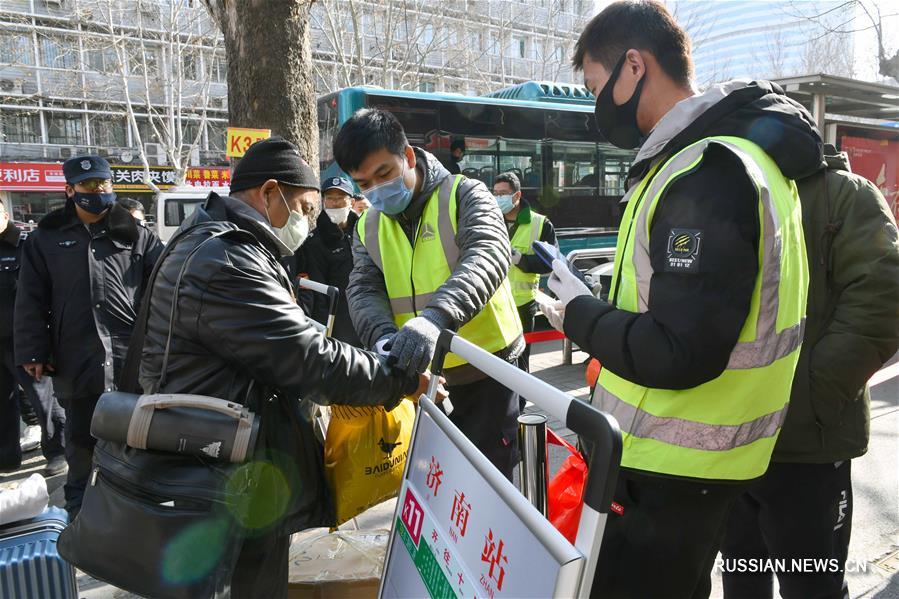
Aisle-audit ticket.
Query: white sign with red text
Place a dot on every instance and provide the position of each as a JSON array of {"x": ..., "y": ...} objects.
[{"x": 456, "y": 534}]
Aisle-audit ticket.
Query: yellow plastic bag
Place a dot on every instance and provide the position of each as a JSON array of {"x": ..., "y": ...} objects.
[{"x": 365, "y": 453}]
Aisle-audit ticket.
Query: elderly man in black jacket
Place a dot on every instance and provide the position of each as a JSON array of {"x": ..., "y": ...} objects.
[
  {"x": 238, "y": 334},
  {"x": 82, "y": 275}
]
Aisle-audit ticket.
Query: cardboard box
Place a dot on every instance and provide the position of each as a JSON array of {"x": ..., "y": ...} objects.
[{"x": 345, "y": 564}]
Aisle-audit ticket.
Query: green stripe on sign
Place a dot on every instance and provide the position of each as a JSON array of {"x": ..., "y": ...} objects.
[{"x": 428, "y": 568}]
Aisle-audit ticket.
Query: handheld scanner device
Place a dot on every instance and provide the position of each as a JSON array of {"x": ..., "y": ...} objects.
[{"x": 547, "y": 252}]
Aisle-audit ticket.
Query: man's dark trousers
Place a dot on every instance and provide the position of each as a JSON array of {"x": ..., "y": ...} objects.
[
  {"x": 796, "y": 511},
  {"x": 40, "y": 397},
  {"x": 487, "y": 413},
  {"x": 665, "y": 541},
  {"x": 528, "y": 315},
  {"x": 261, "y": 569},
  {"x": 79, "y": 448}
]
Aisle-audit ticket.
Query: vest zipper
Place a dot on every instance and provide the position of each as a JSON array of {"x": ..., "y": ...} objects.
[{"x": 412, "y": 265}]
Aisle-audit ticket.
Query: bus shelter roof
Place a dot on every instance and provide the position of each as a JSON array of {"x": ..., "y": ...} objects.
[{"x": 843, "y": 96}]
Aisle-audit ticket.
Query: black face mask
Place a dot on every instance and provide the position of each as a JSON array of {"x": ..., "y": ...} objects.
[{"x": 618, "y": 124}]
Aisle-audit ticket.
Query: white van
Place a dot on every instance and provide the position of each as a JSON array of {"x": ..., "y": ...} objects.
[{"x": 175, "y": 205}]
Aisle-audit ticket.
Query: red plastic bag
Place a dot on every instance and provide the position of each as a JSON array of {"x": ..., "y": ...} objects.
[
  {"x": 565, "y": 491},
  {"x": 592, "y": 373}
]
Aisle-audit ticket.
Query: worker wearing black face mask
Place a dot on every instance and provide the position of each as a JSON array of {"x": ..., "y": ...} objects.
[
  {"x": 700, "y": 337},
  {"x": 82, "y": 275}
]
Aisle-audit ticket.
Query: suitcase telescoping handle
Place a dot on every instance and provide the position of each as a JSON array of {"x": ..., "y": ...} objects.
[
  {"x": 595, "y": 427},
  {"x": 333, "y": 296}
]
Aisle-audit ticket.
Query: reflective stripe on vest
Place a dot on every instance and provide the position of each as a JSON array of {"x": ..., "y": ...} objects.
[
  {"x": 524, "y": 284},
  {"x": 725, "y": 428},
  {"x": 413, "y": 275}
]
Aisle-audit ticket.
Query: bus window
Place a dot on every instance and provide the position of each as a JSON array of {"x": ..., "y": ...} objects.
[
  {"x": 480, "y": 159},
  {"x": 523, "y": 157},
  {"x": 572, "y": 197},
  {"x": 613, "y": 164},
  {"x": 574, "y": 166},
  {"x": 327, "y": 129}
]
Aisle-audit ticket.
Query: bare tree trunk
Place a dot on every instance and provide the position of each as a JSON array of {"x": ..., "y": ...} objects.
[{"x": 270, "y": 72}]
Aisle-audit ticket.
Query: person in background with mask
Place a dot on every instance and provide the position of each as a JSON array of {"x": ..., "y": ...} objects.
[
  {"x": 239, "y": 335},
  {"x": 432, "y": 253},
  {"x": 525, "y": 226},
  {"x": 82, "y": 275},
  {"x": 45, "y": 417},
  {"x": 328, "y": 256}
]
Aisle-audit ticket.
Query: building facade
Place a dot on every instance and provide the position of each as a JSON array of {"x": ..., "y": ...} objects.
[
  {"x": 74, "y": 74},
  {"x": 770, "y": 39}
]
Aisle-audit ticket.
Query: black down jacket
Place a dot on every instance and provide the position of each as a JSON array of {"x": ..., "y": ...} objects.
[
  {"x": 239, "y": 335},
  {"x": 78, "y": 294}
]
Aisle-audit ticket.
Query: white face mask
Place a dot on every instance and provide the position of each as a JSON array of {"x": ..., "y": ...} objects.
[
  {"x": 295, "y": 230},
  {"x": 338, "y": 216}
]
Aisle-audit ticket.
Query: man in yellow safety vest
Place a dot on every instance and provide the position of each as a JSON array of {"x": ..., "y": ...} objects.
[
  {"x": 525, "y": 226},
  {"x": 432, "y": 253},
  {"x": 701, "y": 334}
]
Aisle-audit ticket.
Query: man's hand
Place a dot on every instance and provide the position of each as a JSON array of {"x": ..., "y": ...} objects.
[
  {"x": 36, "y": 370},
  {"x": 412, "y": 347},
  {"x": 516, "y": 257},
  {"x": 424, "y": 379},
  {"x": 555, "y": 315},
  {"x": 360, "y": 204},
  {"x": 565, "y": 285}
]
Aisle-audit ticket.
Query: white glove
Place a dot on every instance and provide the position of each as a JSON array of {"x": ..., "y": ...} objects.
[
  {"x": 555, "y": 314},
  {"x": 516, "y": 257},
  {"x": 565, "y": 285}
]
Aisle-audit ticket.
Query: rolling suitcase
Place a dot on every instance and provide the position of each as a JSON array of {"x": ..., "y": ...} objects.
[{"x": 30, "y": 566}]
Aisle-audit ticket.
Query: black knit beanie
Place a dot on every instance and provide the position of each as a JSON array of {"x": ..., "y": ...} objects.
[{"x": 273, "y": 158}]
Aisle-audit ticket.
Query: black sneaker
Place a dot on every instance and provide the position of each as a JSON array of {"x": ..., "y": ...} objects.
[{"x": 56, "y": 465}]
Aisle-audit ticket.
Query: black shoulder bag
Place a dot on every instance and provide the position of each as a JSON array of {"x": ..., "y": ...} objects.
[{"x": 156, "y": 523}]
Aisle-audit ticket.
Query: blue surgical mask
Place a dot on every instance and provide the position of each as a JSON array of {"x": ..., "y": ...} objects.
[
  {"x": 95, "y": 203},
  {"x": 391, "y": 197},
  {"x": 506, "y": 203}
]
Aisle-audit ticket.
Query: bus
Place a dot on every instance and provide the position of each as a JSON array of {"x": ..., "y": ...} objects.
[{"x": 543, "y": 132}]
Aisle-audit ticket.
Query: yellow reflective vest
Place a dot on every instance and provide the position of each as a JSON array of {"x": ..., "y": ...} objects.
[
  {"x": 524, "y": 284},
  {"x": 414, "y": 272},
  {"x": 724, "y": 429}
]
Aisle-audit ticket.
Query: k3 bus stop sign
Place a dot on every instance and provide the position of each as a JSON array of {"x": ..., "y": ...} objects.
[{"x": 461, "y": 529}]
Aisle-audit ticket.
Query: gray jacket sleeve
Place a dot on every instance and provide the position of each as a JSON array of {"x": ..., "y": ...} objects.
[
  {"x": 367, "y": 297},
  {"x": 484, "y": 257}
]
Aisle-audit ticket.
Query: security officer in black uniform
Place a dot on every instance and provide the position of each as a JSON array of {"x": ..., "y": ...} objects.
[
  {"x": 47, "y": 410},
  {"x": 82, "y": 276},
  {"x": 328, "y": 256}
]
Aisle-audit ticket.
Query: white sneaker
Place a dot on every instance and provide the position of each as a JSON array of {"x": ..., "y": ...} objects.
[{"x": 30, "y": 439}]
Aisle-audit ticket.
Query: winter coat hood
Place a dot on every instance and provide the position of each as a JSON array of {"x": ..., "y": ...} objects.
[{"x": 755, "y": 110}]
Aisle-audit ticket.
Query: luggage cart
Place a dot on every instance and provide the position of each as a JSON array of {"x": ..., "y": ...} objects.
[
  {"x": 333, "y": 294},
  {"x": 322, "y": 414},
  {"x": 597, "y": 428}
]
